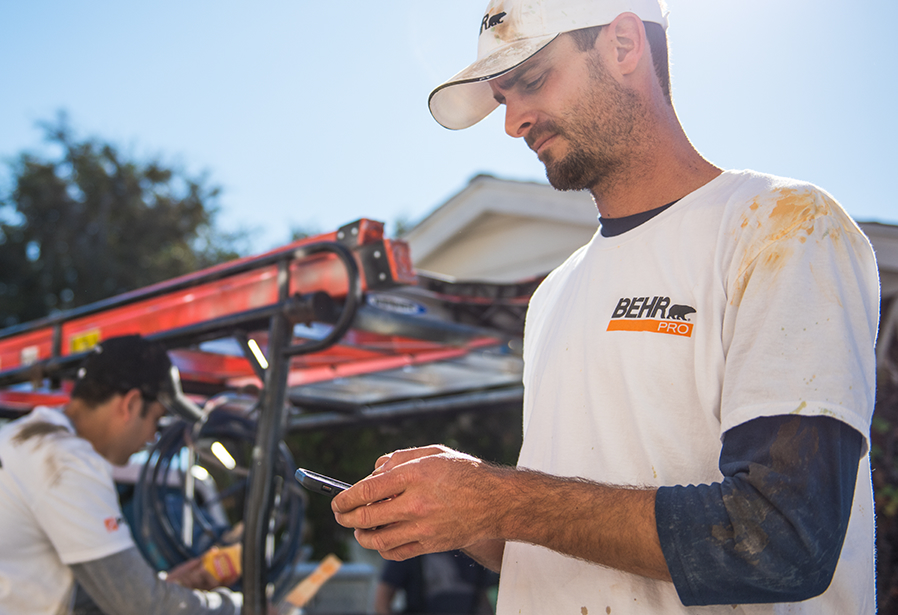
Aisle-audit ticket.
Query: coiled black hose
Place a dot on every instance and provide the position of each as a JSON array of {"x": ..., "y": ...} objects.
[{"x": 159, "y": 494}]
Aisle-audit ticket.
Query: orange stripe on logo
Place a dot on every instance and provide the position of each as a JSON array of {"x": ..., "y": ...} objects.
[{"x": 670, "y": 327}]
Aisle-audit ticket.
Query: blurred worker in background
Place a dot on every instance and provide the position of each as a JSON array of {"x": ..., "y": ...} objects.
[
  {"x": 435, "y": 583},
  {"x": 698, "y": 379},
  {"x": 60, "y": 519}
]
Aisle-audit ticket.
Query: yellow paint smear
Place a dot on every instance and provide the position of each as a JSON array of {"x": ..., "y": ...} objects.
[{"x": 775, "y": 226}]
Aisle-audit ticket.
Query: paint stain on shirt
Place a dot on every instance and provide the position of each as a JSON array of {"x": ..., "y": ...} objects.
[
  {"x": 779, "y": 224},
  {"x": 36, "y": 430},
  {"x": 800, "y": 407}
]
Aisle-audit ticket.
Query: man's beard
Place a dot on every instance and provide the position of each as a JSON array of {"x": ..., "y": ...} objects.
[
  {"x": 598, "y": 131},
  {"x": 580, "y": 169}
]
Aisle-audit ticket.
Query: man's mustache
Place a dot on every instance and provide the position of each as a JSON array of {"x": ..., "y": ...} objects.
[{"x": 539, "y": 132}]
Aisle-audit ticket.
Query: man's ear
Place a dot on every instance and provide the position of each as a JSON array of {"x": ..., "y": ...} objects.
[
  {"x": 132, "y": 403},
  {"x": 626, "y": 35}
]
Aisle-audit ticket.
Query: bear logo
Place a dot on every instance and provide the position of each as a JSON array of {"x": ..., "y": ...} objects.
[
  {"x": 680, "y": 312},
  {"x": 491, "y": 21}
]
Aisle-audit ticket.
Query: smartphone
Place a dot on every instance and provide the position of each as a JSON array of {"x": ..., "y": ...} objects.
[{"x": 320, "y": 483}]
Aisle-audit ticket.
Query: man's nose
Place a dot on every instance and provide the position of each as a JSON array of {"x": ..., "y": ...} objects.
[{"x": 519, "y": 119}]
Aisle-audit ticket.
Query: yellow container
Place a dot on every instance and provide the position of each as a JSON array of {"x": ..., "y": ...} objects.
[{"x": 224, "y": 563}]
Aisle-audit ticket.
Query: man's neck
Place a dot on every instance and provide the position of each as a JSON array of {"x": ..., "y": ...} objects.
[
  {"x": 89, "y": 423},
  {"x": 664, "y": 170}
]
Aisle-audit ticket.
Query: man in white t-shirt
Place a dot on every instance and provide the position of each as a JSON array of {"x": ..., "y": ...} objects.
[
  {"x": 60, "y": 518},
  {"x": 698, "y": 378}
]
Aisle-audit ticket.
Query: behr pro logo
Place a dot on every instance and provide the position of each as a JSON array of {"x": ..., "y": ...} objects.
[{"x": 651, "y": 314}]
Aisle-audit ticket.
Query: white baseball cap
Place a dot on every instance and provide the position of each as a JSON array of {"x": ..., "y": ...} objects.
[{"x": 511, "y": 31}]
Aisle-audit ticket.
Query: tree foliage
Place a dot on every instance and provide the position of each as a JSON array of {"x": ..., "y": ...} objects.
[{"x": 90, "y": 223}]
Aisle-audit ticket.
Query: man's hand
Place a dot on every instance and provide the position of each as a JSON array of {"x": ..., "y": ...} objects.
[
  {"x": 435, "y": 499},
  {"x": 193, "y": 575},
  {"x": 422, "y": 500}
]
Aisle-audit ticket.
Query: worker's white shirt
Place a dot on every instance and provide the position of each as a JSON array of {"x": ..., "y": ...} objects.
[
  {"x": 58, "y": 506},
  {"x": 753, "y": 296}
]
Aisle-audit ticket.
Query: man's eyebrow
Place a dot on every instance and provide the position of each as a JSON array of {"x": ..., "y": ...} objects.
[
  {"x": 509, "y": 79},
  {"x": 539, "y": 61}
]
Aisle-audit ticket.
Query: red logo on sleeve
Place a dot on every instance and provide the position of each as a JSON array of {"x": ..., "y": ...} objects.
[{"x": 112, "y": 524}]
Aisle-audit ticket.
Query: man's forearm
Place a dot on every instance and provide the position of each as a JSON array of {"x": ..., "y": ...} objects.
[
  {"x": 487, "y": 553},
  {"x": 124, "y": 583},
  {"x": 607, "y": 525}
]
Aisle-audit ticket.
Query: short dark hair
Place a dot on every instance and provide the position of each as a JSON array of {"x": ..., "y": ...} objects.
[
  {"x": 119, "y": 365},
  {"x": 585, "y": 39},
  {"x": 93, "y": 393}
]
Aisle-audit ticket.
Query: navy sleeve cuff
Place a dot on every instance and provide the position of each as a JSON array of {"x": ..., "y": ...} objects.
[{"x": 773, "y": 529}]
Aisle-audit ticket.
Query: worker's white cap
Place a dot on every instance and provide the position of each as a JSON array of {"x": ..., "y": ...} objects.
[{"x": 511, "y": 31}]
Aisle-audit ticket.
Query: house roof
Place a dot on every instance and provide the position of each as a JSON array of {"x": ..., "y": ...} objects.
[{"x": 525, "y": 228}]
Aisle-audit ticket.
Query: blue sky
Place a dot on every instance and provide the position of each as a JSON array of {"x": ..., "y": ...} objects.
[{"x": 314, "y": 114}]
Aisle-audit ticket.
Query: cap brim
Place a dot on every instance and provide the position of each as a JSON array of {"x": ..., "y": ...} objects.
[
  {"x": 467, "y": 98},
  {"x": 173, "y": 398}
]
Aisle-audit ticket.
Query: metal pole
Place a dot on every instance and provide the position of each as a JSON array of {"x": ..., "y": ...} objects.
[
  {"x": 273, "y": 417},
  {"x": 269, "y": 431}
]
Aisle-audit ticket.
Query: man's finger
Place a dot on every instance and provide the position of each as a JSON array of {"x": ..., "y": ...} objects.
[
  {"x": 393, "y": 539},
  {"x": 348, "y": 505},
  {"x": 396, "y": 458},
  {"x": 406, "y": 551}
]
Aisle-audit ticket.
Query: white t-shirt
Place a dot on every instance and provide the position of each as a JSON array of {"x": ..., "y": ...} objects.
[
  {"x": 753, "y": 296},
  {"x": 58, "y": 506}
]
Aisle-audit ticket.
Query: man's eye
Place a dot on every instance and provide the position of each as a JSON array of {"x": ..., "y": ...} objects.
[{"x": 534, "y": 83}]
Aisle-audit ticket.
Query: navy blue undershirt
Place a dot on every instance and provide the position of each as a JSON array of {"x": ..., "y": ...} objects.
[
  {"x": 772, "y": 529},
  {"x": 611, "y": 227}
]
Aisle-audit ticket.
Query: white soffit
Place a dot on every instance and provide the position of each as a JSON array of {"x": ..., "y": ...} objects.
[{"x": 488, "y": 195}]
